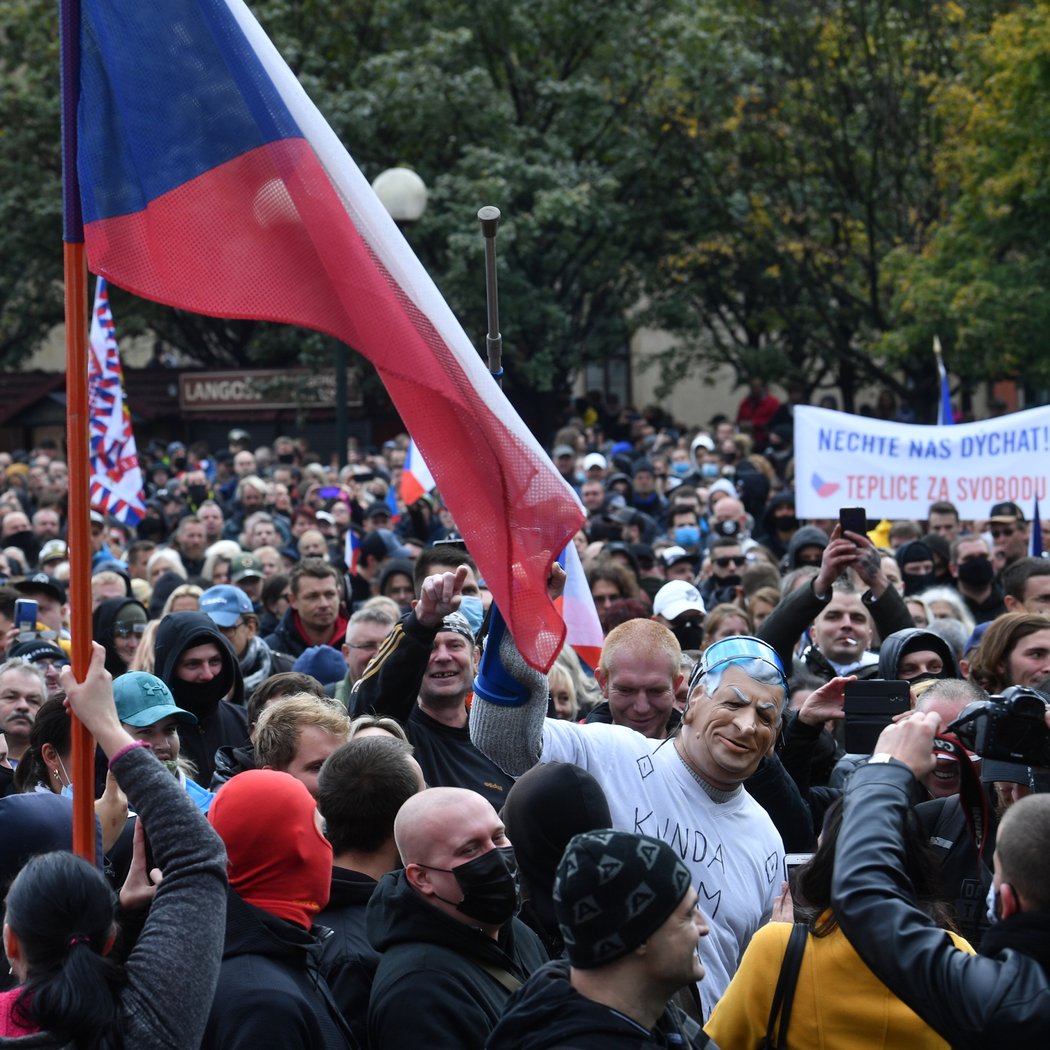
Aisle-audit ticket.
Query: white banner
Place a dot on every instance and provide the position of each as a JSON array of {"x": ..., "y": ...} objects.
[{"x": 896, "y": 470}]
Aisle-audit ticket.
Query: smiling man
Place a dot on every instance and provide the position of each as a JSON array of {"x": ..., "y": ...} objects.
[
  {"x": 422, "y": 676},
  {"x": 686, "y": 791}
]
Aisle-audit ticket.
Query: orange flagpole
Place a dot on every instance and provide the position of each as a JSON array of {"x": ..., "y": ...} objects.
[
  {"x": 78, "y": 536},
  {"x": 77, "y": 424}
]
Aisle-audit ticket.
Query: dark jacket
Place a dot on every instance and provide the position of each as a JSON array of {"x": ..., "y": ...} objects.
[
  {"x": 103, "y": 619},
  {"x": 440, "y": 983},
  {"x": 549, "y": 1014},
  {"x": 390, "y": 686},
  {"x": 986, "y": 1001},
  {"x": 271, "y": 990},
  {"x": 286, "y": 639},
  {"x": 914, "y": 639},
  {"x": 220, "y": 723},
  {"x": 767, "y": 534},
  {"x": 348, "y": 959},
  {"x": 229, "y": 761}
]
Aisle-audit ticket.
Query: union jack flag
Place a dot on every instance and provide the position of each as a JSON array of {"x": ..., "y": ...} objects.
[{"x": 116, "y": 478}]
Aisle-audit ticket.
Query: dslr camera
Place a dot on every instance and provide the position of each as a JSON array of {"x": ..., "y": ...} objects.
[{"x": 1007, "y": 728}]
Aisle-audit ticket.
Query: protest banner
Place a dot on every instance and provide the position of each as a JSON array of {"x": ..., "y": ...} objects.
[{"x": 896, "y": 470}]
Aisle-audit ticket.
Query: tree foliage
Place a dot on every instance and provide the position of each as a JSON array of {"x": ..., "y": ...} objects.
[
  {"x": 813, "y": 162},
  {"x": 981, "y": 281},
  {"x": 736, "y": 172}
]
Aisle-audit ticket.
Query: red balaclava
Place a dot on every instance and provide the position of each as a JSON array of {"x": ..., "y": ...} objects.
[{"x": 277, "y": 859}]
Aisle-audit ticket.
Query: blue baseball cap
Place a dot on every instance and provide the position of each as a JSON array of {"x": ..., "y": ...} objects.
[
  {"x": 225, "y": 605},
  {"x": 142, "y": 699}
]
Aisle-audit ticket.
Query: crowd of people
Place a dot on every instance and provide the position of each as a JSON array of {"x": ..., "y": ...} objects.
[{"x": 336, "y": 808}]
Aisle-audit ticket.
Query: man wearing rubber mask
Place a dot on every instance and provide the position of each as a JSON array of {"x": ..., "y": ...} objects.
[
  {"x": 686, "y": 791},
  {"x": 452, "y": 949}
]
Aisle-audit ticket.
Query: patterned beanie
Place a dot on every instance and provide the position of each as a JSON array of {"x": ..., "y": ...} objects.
[{"x": 612, "y": 891}]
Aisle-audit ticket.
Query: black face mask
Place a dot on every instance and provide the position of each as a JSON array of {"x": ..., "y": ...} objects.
[
  {"x": 690, "y": 633},
  {"x": 787, "y": 523},
  {"x": 286, "y": 457},
  {"x": 491, "y": 893},
  {"x": 915, "y": 583},
  {"x": 198, "y": 493},
  {"x": 727, "y": 528},
  {"x": 977, "y": 572},
  {"x": 926, "y": 676}
]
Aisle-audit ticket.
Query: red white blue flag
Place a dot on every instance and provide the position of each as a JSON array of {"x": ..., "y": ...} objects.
[
  {"x": 210, "y": 181},
  {"x": 416, "y": 479},
  {"x": 352, "y": 550},
  {"x": 583, "y": 628},
  {"x": 116, "y": 478}
]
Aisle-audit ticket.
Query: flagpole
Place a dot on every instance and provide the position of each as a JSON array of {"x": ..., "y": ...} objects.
[
  {"x": 77, "y": 423},
  {"x": 489, "y": 217}
]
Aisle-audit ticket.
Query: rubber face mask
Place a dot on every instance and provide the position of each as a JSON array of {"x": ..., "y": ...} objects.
[
  {"x": 471, "y": 607},
  {"x": 491, "y": 893}
]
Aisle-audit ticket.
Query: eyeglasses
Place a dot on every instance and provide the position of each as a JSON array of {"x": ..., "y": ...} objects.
[
  {"x": 233, "y": 627},
  {"x": 1005, "y": 533},
  {"x": 368, "y": 647},
  {"x": 724, "y": 563},
  {"x": 123, "y": 630}
]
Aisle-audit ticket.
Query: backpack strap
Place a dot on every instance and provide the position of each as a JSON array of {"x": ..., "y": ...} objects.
[{"x": 784, "y": 994}]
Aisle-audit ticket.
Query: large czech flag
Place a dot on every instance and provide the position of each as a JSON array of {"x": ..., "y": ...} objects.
[{"x": 209, "y": 181}]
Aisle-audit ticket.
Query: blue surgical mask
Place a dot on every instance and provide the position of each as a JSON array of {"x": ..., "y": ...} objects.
[
  {"x": 687, "y": 535},
  {"x": 472, "y": 608},
  {"x": 681, "y": 469},
  {"x": 710, "y": 470}
]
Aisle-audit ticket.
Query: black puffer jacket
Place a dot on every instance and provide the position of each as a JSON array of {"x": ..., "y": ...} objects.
[
  {"x": 549, "y": 1014},
  {"x": 271, "y": 990},
  {"x": 438, "y": 982},
  {"x": 997, "y": 1000},
  {"x": 220, "y": 723}
]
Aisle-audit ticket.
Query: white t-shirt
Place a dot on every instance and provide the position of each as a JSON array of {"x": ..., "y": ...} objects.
[{"x": 732, "y": 848}]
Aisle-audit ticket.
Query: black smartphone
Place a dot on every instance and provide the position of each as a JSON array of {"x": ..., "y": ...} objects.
[
  {"x": 869, "y": 707},
  {"x": 26, "y": 611},
  {"x": 853, "y": 519}
]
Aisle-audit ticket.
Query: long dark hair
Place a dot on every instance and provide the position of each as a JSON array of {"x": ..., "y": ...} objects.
[
  {"x": 51, "y": 726},
  {"x": 62, "y": 908},
  {"x": 812, "y": 889}
]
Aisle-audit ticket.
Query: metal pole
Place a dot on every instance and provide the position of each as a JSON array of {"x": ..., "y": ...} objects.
[{"x": 489, "y": 217}]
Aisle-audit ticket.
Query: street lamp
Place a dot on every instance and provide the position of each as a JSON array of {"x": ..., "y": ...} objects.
[{"x": 403, "y": 193}]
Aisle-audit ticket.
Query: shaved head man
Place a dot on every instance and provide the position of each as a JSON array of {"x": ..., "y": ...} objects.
[{"x": 444, "y": 922}]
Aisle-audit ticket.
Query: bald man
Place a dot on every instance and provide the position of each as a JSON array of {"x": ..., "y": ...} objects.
[{"x": 452, "y": 950}]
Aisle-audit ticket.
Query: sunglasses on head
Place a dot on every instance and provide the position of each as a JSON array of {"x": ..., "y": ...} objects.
[
  {"x": 122, "y": 630},
  {"x": 724, "y": 563}
]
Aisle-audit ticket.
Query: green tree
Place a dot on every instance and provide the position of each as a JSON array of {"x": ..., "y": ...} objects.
[
  {"x": 31, "y": 299},
  {"x": 981, "y": 280},
  {"x": 812, "y": 163}
]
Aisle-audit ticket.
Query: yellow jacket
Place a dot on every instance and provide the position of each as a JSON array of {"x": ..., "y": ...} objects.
[{"x": 839, "y": 1003}]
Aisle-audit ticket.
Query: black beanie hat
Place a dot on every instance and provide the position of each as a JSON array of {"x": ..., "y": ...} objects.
[{"x": 612, "y": 891}]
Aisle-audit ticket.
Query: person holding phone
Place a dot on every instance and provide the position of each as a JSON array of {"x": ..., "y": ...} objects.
[{"x": 842, "y": 617}]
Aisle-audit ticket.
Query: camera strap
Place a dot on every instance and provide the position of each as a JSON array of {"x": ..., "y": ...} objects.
[{"x": 972, "y": 797}]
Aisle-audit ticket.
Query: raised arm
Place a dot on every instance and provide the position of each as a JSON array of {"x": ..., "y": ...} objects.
[{"x": 190, "y": 903}]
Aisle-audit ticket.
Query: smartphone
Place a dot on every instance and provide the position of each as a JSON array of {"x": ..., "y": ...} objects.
[
  {"x": 792, "y": 862},
  {"x": 869, "y": 707},
  {"x": 330, "y": 492},
  {"x": 853, "y": 519},
  {"x": 26, "y": 615}
]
